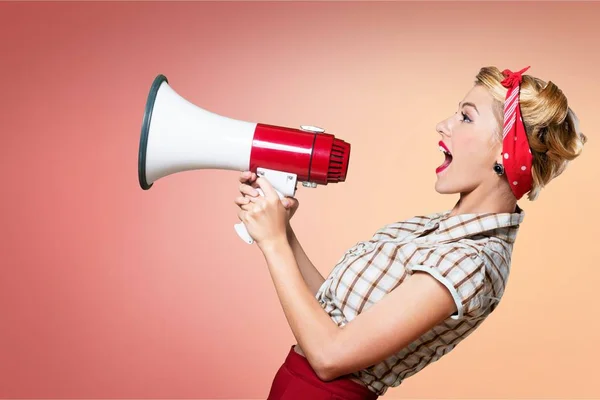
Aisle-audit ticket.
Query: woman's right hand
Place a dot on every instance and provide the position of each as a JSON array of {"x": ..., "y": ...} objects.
[{"x": 248, "y": 190}]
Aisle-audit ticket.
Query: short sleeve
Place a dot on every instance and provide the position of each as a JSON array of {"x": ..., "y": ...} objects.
[{"x": 461, "y": 272}]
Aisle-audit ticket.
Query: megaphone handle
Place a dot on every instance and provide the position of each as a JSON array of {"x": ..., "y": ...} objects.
[{"x": 240, "y": 228}]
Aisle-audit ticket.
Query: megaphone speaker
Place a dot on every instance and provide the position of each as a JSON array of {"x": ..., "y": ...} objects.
[{"x": 180, "y": 136}]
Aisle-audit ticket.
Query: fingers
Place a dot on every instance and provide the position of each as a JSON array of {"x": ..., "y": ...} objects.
[
  {"x": 247, "y": 176},
  {"x": 241, "y": 200},
  {"x": 248, "y": 190},
  {"x": 247, "y": 207},
  {"x": 267, "y": 188},
  {"x": 289, "y": 202},
  {"x": 246, "y": 203}
]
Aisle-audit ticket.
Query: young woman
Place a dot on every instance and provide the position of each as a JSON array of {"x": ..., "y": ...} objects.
[{"x": 401, "y": 300}]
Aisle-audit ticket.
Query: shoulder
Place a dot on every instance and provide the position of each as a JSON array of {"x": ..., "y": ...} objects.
[
  {"x": 473, "y": 269},
  {"x": 463, "y": 255},
  {"x": 489, "y": 254}
]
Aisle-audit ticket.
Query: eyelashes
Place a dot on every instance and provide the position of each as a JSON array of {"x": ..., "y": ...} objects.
[{"x": 465, "y": 117}]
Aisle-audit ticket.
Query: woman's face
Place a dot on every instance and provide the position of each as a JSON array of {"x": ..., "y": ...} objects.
[{"x": 469, "y": 136}]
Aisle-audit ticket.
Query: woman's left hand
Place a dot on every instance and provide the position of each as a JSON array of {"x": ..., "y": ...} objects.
[{"x": 267, "y": 219}]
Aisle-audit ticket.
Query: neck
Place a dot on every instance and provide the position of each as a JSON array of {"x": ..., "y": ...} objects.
[{"x": 482, "y": 199}]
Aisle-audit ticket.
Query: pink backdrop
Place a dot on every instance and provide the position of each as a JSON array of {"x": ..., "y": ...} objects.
[{"x": 109, "y": 291}]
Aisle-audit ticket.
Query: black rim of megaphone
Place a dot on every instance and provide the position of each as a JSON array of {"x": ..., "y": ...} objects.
[{"x": 146, "y": 128}]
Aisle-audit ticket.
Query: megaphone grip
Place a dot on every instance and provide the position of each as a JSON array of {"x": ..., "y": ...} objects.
[{"x": 241, "y": 229}]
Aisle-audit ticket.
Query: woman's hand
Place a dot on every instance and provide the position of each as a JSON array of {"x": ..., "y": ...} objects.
[
  {"x": 266, "y": 217},
  {"x": 248, "y": 190}
]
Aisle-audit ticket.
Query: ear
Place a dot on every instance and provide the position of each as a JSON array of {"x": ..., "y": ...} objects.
[
  {"x": 497, "y": 149},
  {"x": 500, "y": 159}
]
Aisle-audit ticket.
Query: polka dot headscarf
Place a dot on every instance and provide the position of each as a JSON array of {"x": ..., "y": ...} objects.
[{"x": 516, "y": 154}]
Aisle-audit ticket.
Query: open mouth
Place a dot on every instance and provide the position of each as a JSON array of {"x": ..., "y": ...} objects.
[{"x": 447, "y": 160}]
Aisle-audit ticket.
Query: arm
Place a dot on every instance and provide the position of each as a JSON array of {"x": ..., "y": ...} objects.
[
  {"x": 395, "y": 321},
  {"x": 310, "y": 274}
]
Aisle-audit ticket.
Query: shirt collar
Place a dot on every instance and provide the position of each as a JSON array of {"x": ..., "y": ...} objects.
[{"x": 503, "y": 225}]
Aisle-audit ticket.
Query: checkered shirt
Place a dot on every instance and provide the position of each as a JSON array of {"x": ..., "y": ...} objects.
[{"x": 469, "y": 254}]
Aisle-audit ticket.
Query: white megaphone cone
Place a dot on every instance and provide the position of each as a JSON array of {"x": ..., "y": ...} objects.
[{"x": 180, "y": 136}]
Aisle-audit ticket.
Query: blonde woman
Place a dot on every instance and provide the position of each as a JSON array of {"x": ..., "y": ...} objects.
[{"x": 404, "y": 298}]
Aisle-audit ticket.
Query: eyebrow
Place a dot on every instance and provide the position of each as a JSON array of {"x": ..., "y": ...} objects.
[{"x": 467, "y": 103}]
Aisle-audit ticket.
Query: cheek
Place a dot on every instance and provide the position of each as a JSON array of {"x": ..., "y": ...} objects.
[{"x": 474, "y": 152}]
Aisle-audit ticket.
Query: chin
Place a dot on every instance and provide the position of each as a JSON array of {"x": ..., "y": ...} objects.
[{"x": 443, "y": 189}]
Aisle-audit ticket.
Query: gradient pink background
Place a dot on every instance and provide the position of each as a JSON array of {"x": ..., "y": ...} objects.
[{"x": 109, "y": 291}]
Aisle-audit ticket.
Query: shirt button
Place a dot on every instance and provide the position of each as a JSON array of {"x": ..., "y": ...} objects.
[{"x": 431, "y": 225}]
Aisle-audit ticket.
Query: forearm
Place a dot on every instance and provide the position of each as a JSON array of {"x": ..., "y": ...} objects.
[
  {"x": 311, "y": 325},
  {"x": 310, "y": 274}
]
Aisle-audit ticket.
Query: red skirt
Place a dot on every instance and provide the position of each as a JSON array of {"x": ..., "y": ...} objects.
[{"x": 296, "y": 380}]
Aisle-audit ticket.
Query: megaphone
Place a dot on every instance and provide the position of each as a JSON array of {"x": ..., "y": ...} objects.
[{"x": 180, "y": 136}]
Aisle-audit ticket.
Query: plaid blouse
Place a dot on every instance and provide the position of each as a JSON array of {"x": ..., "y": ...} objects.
[{"x": 469, "y": 254}]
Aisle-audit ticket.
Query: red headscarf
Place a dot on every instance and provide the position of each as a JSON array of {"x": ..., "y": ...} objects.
[{"x": 516, "y": 154}]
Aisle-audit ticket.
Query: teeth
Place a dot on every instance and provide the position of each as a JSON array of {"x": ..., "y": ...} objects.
[{"x": 444, "y": 150}]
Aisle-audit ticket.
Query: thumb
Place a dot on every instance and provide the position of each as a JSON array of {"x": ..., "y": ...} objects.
[{"x": 290, "y": 201}]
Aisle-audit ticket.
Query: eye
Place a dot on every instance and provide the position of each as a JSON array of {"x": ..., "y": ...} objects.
[{"x": 465, "y": 117}]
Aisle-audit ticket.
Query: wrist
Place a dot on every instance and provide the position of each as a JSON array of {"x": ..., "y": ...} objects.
[{"x": 273, "y": 244}]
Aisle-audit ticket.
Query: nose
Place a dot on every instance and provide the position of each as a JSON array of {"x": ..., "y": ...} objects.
[{"x": 443, "y": 127}]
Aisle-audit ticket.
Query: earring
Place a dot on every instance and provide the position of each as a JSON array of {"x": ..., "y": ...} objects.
[{"x": 499, "y": 168}]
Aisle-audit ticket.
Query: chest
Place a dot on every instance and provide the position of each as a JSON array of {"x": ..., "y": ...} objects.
[
  {"x": 371, "y": 269},
  {"x": 386, "y": 254}
]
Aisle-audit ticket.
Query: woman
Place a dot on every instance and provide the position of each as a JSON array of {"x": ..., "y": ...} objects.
[{"x": 401, "y": 300}]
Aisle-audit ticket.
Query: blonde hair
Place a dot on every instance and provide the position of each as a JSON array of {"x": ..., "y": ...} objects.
[{"x": 552, "y": 127}]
